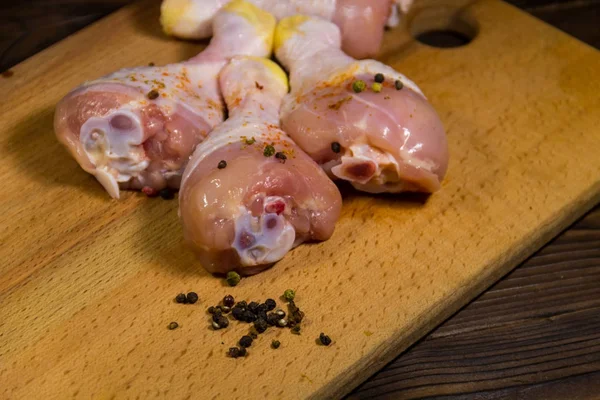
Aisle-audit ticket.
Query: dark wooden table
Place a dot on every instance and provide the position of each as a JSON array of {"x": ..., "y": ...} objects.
[{"x": 533, "y": 335}]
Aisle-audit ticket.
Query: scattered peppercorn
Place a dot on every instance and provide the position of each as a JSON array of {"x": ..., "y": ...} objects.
[
  {"x": 246, "y": 341},
  {"x": 272, "y": 319},
  {"x": 281, "y": 156},
  {"x": 358, "y": 86},
  {"x": 249, "y": 316},
  {"x": 376, "y": 87},
  {"x": 275, "y": 344},
  {"x": 211, "y": 310},
  {"x": 225, "y": 309},
  {"x": 296, "y": 330},
  {"x": 243, "y": 352},
  {"x": 260, "y": 325},
  {"x": 192, "y": 297},
  {"x": 216, "y": 325},
  {"x": 253, "y": 306},
  {"x": 228, "y": 301},
  {"x": 250, "y": 141},
  {"x": 173, "y": 325},
  {"x": 233, "y": 352},
  {"x": 269, "y": 150},
  {"x": 242, "y": 304},
  {"x": 166, "y": 194},
  {"x": 379, "y": 78},
  {"x": 233, "y": 278},
  {"x": 222, "y": 164},
  {"x": 238, "y": 313},
  {"x": 295, "y": 315},
  {"x": 153, "y": 94},
  {"x": 398, "y": 84},
  {"x": 271, "y": 304},
  {"x": 289, "y": 294},
  {"x": 280, "y": 313},
  {"x": 253, "y": 335},
  {"x": 336, "y": 147},
  {"x": 220, "y": 322},
  {"x": 324, "y": 339},
  {"x": 180, "y": 298}
]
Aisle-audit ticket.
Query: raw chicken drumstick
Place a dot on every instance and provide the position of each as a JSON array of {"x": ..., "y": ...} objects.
[
  {"x": 249, "y": 194},
  {"x": 362, "y": 21},
  {"x": 136, "y": 128},
  {"x": 361, "y": 120}
]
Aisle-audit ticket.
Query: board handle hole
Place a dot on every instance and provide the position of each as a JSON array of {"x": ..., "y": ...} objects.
[{"x": 443, "y": 27}]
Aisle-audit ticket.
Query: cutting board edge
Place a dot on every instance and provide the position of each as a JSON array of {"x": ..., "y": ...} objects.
[{"x": 401, "y": 341}]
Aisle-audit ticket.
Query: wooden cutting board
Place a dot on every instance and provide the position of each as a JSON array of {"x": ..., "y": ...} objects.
[{"x": 87, "y": 283}]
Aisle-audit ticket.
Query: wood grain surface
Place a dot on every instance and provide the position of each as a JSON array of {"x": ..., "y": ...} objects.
[
  {"x": 87, "y": 288},
  {"x": 515, "y": 341}
]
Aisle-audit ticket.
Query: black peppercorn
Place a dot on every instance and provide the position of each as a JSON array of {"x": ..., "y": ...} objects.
[
  {"x": 238, "y": 313},
  {"x": 222, "y": 164},
  {"x": 173, "y": 325},
  {"x": 243, "y": 352},
  {"x": 336, "y": 147},
  {"x": 379, "y": 78},
  {"x": 271, "y": 304},
  {"x": 253, "y": 306},
  {"x": 223, "y": 322},
  {"x": 166, "y": 194},
  {"x": 216, "y": 316},
  {"x": 281, "y": 156},
  {"x": 249, "y": 316},
  {"x": 261, "y": 315},
  {"x": 242, "y": 304},
  {"x": 324, "y": 339},
  {"x": 272, "y": 319},
  {"x": 192, "y": 297},
  {"x": 275, "y": 344},
  {"x": 261, "y": 308},
  {"x": 153, "y": 94},
  {"x": 253, "y": 334},
  {"x": 282, "y": 322},
  {"x": 246, "y": 341},
  {"x": 233, "y": 352},
  {"x": 260, "y": 325},
  {"x": 228, "y": 301},
  {"x": 180, "y": 298},
  {"x": 225, "y": 309},
  {"x": 211, "y": 310},
  {"x": 280, "y": 313},
  {"x": 398, "y": 84}
]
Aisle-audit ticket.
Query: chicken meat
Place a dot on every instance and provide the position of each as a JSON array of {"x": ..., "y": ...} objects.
[
  {"x": 136, "y": 128},
  {"x": 362, "y": 121},
  {"x": 249, "y": 194},
  {"x": 362, "y": 22}
]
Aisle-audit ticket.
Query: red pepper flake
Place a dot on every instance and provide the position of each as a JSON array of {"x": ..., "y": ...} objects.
[
  {"x": 8, "y": 73},
  {"x": 150, "y": 192},
  {"x": 259, "y": 86}
]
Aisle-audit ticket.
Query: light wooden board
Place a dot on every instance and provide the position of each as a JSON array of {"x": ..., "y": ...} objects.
[{"x": 86, "y": 282}]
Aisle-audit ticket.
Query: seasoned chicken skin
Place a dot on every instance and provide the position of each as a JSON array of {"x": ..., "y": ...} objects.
[
  {"x": 136, "y": 128},
  {"x": 361, "y": 21},
  {"x": 249, "y": 194},
  {"x": 379, "y": 136}
]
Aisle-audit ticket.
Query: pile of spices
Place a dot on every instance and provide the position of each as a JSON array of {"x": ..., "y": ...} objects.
[{"x": 261, "y": 315}]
